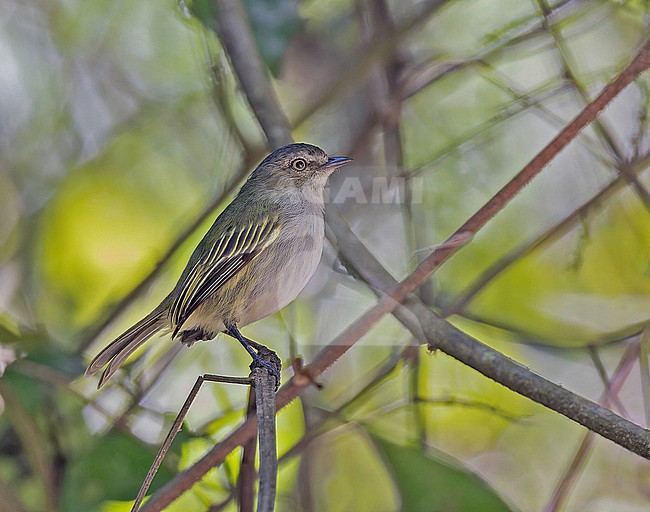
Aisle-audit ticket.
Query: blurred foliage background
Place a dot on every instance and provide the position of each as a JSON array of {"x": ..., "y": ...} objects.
[{"x": 123, "y": 133}]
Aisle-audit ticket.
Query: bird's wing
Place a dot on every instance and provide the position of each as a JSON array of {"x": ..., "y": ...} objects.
[{"x": 229, "y": 254}]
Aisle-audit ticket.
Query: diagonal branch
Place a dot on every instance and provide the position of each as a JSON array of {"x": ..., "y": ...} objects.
[
  {"x": 599, "y": 127},
  {"x": 639, "y": 64},
  {"x": 553, "y": 233}
]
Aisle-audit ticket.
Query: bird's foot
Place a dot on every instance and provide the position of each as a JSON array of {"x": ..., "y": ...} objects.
[
  {"x": 263, "y": 357},
  {"x": 266, "y": 358}
]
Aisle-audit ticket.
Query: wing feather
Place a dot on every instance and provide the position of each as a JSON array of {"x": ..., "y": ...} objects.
[{"x": 227, "y": 256}]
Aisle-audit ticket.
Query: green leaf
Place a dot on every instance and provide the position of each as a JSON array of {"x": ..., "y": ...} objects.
[
  {"x": 113, "y": 469},
  {"x": 430, "y": 484}
]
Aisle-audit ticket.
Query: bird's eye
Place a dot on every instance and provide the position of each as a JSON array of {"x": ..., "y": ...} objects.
[{"x": 299, "y": 164}]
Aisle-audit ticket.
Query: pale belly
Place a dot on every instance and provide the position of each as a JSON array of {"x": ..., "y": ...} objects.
[{"x": 283, "y": 279}]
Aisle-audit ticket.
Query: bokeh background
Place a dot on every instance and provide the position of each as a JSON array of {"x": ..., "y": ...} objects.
[{"x": 123, "y": 133}]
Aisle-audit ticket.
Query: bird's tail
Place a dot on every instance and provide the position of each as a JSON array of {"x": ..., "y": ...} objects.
[{"x": 125, "y": 344}]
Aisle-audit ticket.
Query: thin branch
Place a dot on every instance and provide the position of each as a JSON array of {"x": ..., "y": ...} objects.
[
  {"x": 218, "y": 507},
  {"x": 644, "y": 361},
  {"x": 639, "y": 64},
  {"x": 598, "y": 126},
  {"x": 607, "y": 382},
  {"x": 319, "y": 427},
  {"x": 237, "y": 37},
  {"x": 518, "y": 378},
  {"x": 143, "y": 386},
  {"x": 552, "y": 233},
  {"x": 176, "y": 426},
  {"x": 220, "y": 97},
  {"x": 381, "y": 47},
  {"x": 571, "y": 473},
  {"x": 386, "y": 86},
  {"x": 520, "y": 105},
  {"x": 342, "y": 412},
  {"x": 498, "y": 367},
  {"x": 642, "y": 119},
  {"x": 420, "y": 419},
  {"x": 264, "y": 384},
  {"x": 246, "y": 478},
  {"x": 532, "y": 99}
]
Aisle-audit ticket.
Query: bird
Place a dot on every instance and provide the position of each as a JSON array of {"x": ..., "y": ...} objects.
[{"x": 255, "y": 259}]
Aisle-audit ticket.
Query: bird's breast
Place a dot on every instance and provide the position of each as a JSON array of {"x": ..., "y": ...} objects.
[{"x": 283, "y": 270}]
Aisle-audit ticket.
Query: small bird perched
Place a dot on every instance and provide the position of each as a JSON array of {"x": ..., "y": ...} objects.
[{"x": 255, "y": 259}]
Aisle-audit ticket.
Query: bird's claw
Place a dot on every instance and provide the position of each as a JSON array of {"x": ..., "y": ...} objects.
[{"x": 268, "y": 359}]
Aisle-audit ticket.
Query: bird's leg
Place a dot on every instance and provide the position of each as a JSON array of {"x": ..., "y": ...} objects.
[{"x": 262, "y": 356}]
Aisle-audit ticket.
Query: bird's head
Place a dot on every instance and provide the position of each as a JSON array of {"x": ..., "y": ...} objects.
[{"x": 297, "y": 166}]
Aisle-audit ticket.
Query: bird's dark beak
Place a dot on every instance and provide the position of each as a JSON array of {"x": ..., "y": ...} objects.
[{"x": 335, "y": 162}]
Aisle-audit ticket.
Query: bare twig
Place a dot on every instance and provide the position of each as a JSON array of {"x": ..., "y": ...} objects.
[
  {"x": 599, "y": 127},
  {"x": 552, "y": 233},
  {"x": 247, "y": 475},
  {"x": 607, "y": 382},
  {"x": 381, "y": 47},
  {"x": 264, "y": 384},
  {"x": 518, "y": 378},
  {"x": 639, "y": 64},
  {"x": 644, "y": 361},
  {"x": 571, "y": 473},
  {"x": 382, "y": 373},
  {"x": 458, "y": 345},
  {"x": 176, "y": 426},
  {"x": 220, "y": 96}
]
